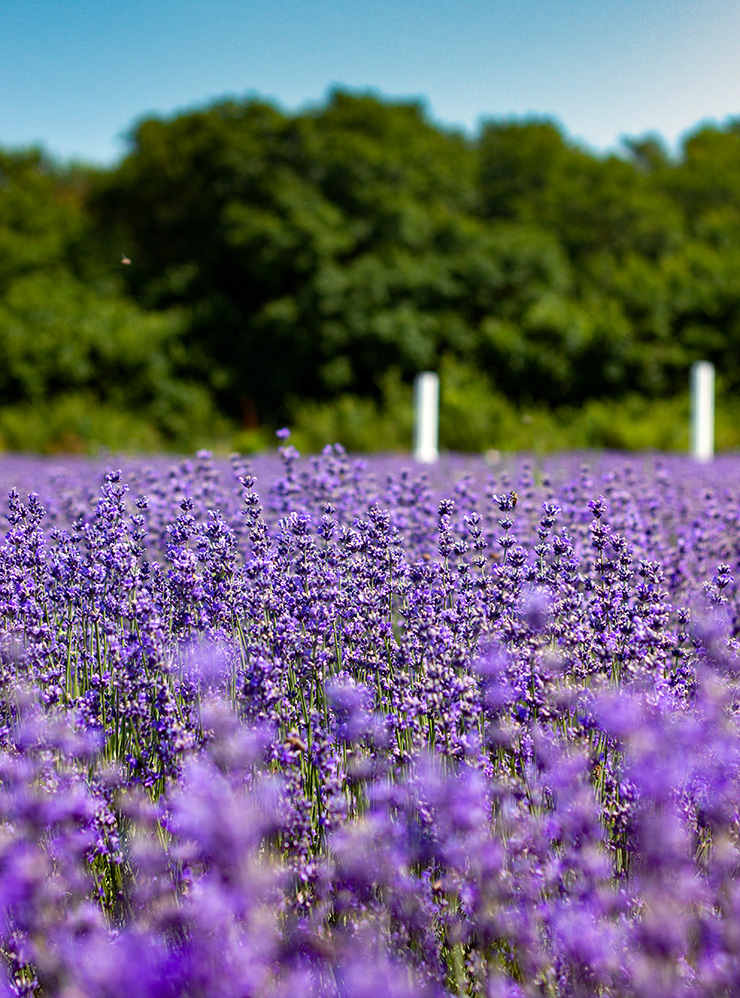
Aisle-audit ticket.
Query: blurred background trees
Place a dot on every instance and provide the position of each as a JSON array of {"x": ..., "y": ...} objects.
[{"x": 303, "y": 267}]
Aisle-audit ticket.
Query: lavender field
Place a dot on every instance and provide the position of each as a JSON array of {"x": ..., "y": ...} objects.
[{"x": 319, "y": 727}]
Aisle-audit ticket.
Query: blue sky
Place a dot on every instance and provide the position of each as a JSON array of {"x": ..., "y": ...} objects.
[{"x": 76, "y": 74}]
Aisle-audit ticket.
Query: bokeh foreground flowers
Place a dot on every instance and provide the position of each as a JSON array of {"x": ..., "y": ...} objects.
[{"x": 321, "y": 727}]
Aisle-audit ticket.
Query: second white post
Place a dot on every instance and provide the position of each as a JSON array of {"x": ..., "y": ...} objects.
[
  {"x": 702, "y": 410},
  {"x": 426, "y": 417}
]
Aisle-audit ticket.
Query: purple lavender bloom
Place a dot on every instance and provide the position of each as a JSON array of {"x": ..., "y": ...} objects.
[{"x": 313, "y": 725}]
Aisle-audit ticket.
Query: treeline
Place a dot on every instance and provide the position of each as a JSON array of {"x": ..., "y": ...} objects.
[{"x": 303, "y": 267}]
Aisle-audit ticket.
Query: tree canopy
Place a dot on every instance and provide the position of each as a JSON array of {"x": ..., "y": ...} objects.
[{"x": 284, "y": 258}]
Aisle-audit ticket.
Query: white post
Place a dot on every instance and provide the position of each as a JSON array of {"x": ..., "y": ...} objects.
[
  {"x": 702, "y": 410},
  {"x": 426, "y": 417}
]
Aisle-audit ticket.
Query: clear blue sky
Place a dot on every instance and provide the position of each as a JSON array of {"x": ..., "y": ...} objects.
[{"x": 75, "y": 74}]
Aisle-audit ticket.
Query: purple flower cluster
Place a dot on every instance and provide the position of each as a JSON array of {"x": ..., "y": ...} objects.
[{"x": 321, "y": 727}]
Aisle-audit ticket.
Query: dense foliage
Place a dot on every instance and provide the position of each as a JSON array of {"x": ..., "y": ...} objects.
[
  {"x": 323, "y": 728},
  {"x": 306, "y": 265},
  {"x": 80, "y": 362}
]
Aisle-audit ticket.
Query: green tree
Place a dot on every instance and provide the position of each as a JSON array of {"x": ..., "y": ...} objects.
[
  {"x": 69, "y": 338},
  {"x": 593, "y": 204},
  {"x": 251, "y": 217},
  {"x": 706, "y": 179}
]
